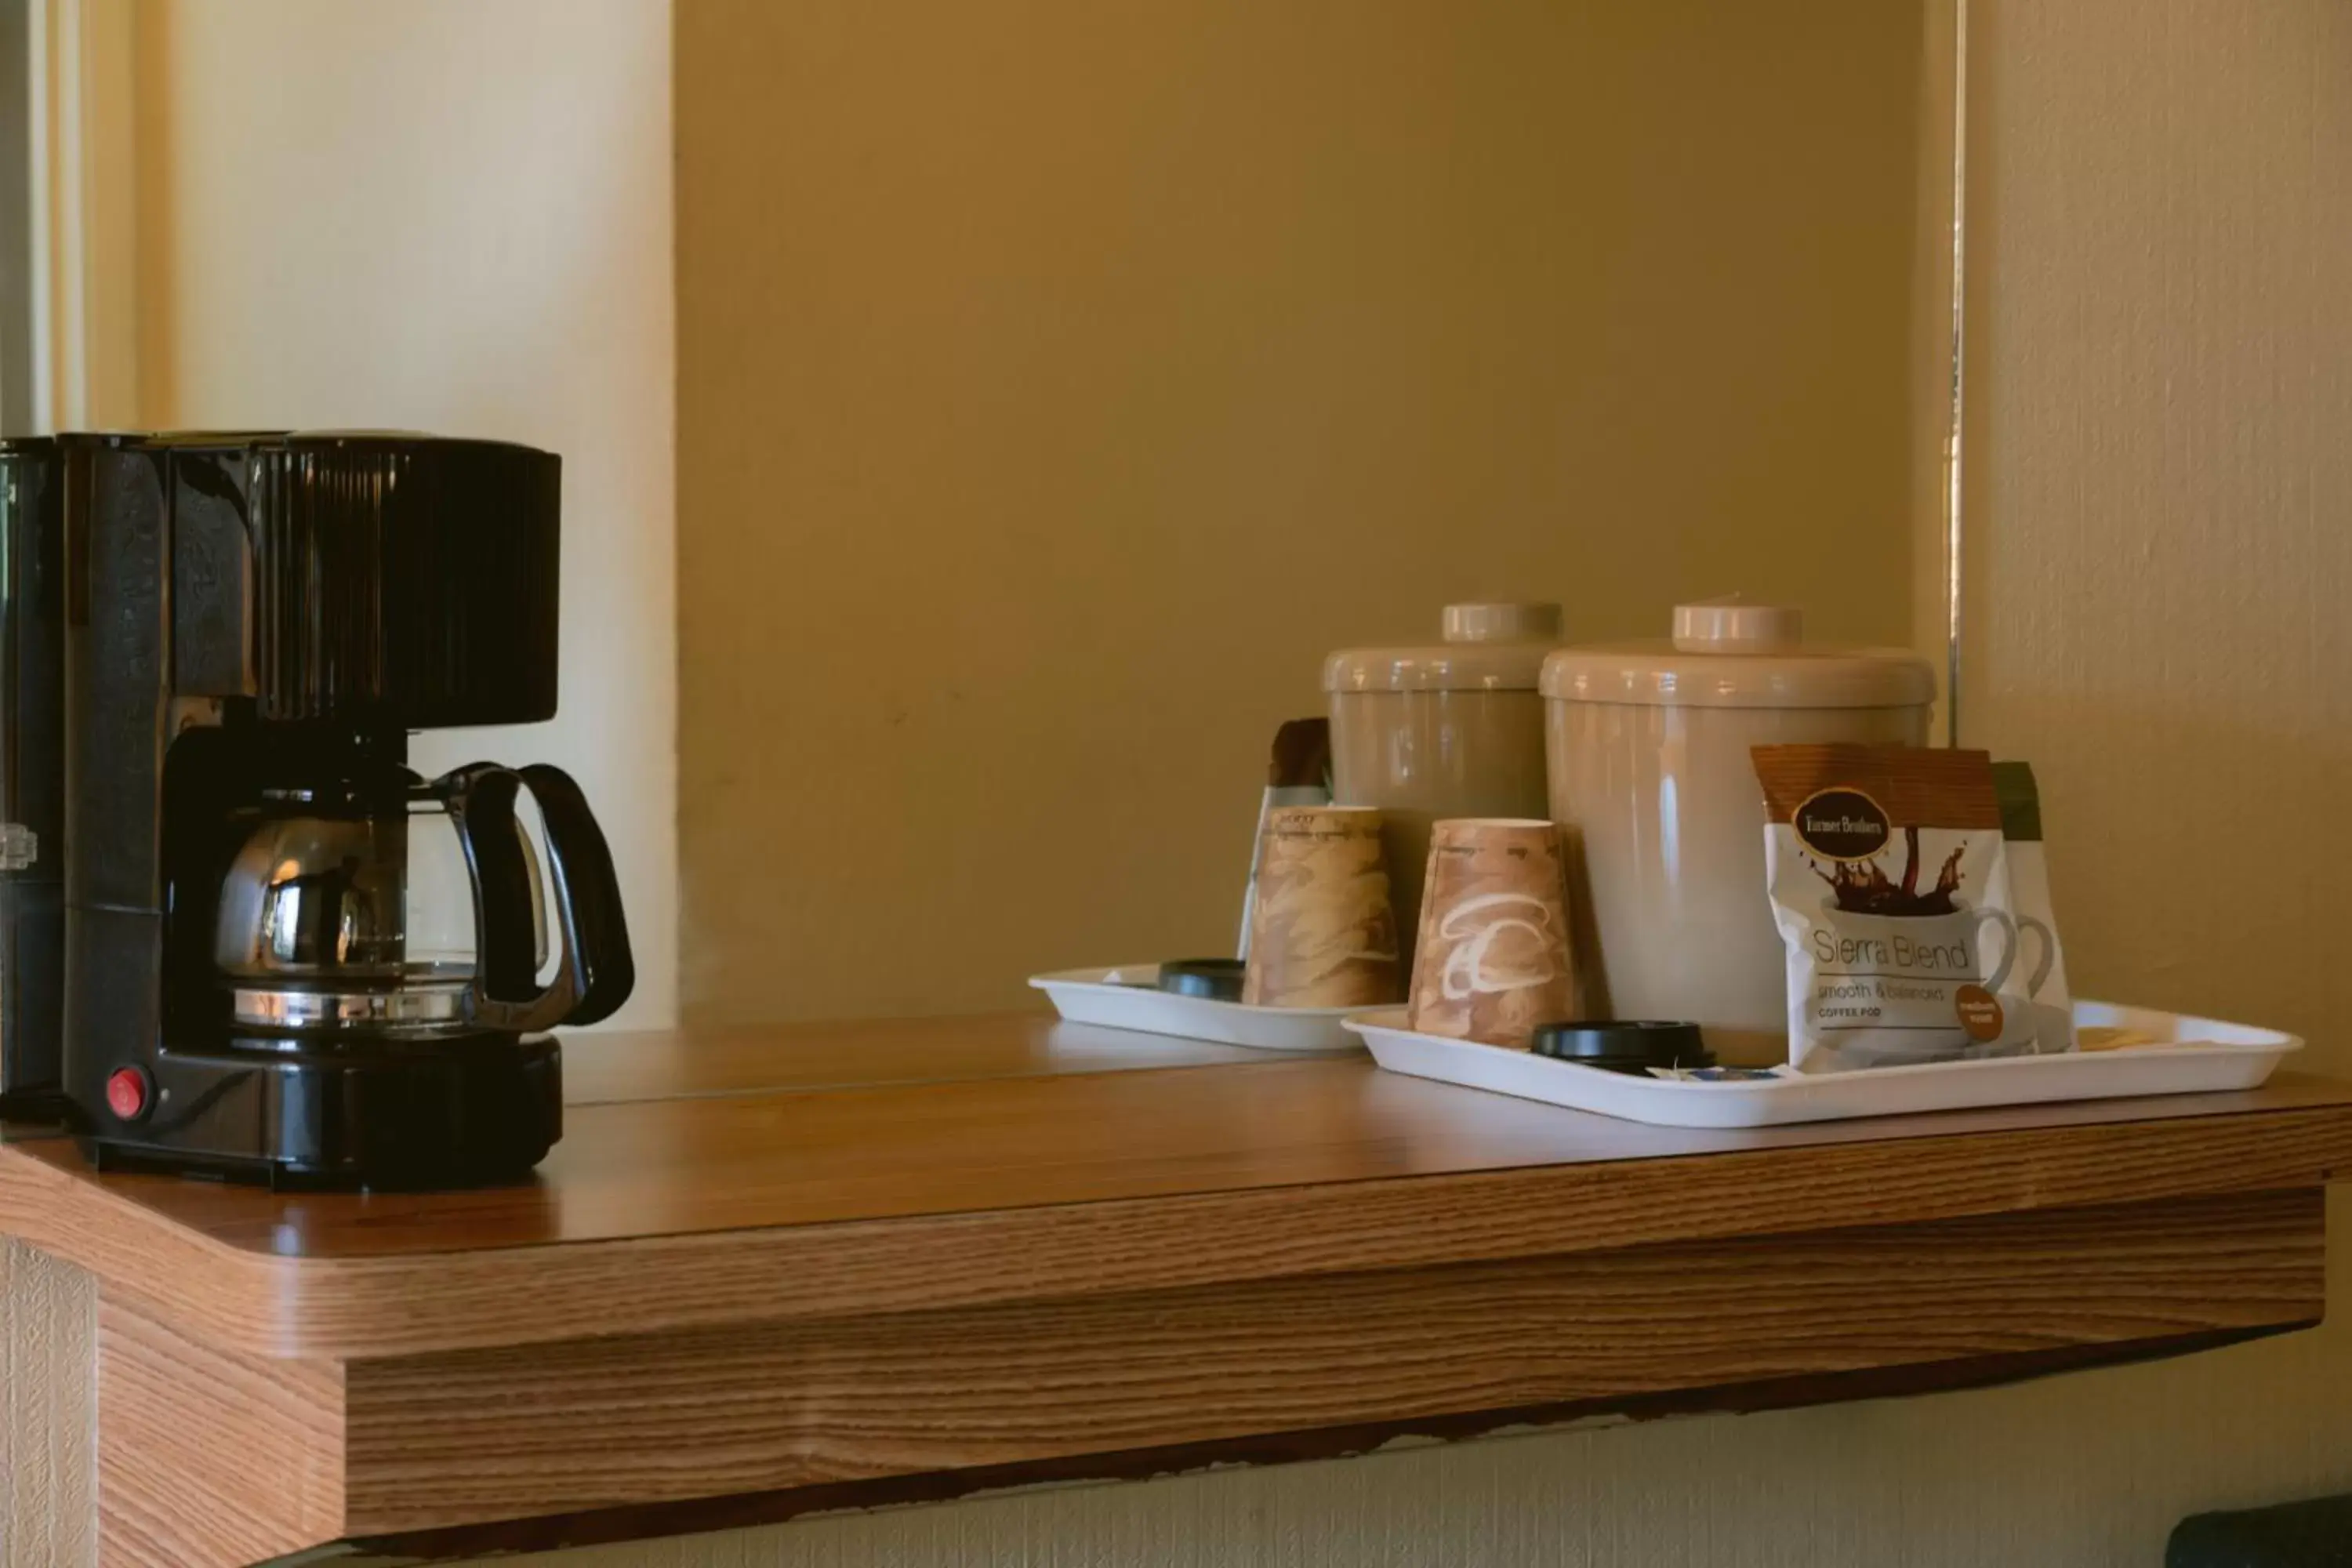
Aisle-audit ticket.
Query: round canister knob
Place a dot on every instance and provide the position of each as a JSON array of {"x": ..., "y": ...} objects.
[
  {"x": 1501, "y": 622},
  {"x": 1729, "y": 625}
]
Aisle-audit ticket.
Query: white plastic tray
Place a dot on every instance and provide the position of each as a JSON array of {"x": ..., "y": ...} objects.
[
  {"x": 2198, "y": 1055},
  {"x": 1124, "y": 998}
]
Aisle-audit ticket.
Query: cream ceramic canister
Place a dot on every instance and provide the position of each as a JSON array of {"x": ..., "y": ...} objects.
[
  {"x": 1652, "y": 782},
  {"x": 1450, "y": 729}
]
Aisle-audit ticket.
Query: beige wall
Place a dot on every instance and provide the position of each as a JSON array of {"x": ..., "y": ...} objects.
[
  {"x": 2165, "y": 240},
  {"x": 1060, "y": 380},
  {"x": 449, "y": 215},
  {"x": 2160, "y": 496}
]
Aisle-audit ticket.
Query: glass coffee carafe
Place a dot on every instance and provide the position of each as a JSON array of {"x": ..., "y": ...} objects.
[{"x": 394, "y": 909}]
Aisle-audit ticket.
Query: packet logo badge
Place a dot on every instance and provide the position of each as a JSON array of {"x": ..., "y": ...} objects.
[
  {"x": 1980, "y": 1012},
  {"x": 1840, "y": 823}
]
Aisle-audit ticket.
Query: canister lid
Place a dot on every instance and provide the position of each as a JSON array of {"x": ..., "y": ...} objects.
[
  {"x": 1486, "y": 647},
  {"x": 1726, "y": 653}
]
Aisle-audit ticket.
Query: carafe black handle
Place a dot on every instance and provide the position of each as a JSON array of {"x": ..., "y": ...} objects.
[
  {"x": 595, "y": 972},
  {"x": 587, "y": 895}
]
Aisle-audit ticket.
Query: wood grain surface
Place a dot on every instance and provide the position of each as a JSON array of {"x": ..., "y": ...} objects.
[
  {"x": 745, "y": 1290},
  {"x": 207, "y": 1458},
  {"x": 701, "y": 1212},
  {"x": 673, "y": 1167},
  {"x": 666, "y": 1063},
  {"x": 610, "y": 1422},
  {"x": 638, "y": 1521}
]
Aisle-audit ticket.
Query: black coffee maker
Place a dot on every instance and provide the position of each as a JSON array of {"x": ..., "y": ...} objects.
[
  {"x": 32, "y": 777},
  {"x": 288, "y": 958}
]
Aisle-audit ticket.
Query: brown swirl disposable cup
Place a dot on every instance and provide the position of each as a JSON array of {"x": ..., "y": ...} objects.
[
  {"x": 1492, "y": 959},
  {"x": 1322, "y": 934}
]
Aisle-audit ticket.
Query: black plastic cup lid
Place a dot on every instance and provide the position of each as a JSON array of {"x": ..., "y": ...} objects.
[
  {"x": 1631, "y": 1045},
  {"x": 1218, "y": 979}
]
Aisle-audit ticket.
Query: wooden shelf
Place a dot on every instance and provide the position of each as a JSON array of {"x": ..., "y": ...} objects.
[{"x": 773, "y": 1270}]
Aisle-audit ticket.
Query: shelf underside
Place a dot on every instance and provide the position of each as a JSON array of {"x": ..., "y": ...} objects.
[{"x": 211, "y": 1456}]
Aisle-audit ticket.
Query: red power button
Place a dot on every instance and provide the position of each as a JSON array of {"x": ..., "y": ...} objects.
[{"x": 126, "y": 1093}]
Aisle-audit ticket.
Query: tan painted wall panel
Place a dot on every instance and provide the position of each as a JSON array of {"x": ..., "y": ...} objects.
[{"x": 1059, "y": 381}]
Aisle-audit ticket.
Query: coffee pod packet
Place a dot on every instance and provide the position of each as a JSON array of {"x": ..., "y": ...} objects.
[{"x": 1890, "y": 885}]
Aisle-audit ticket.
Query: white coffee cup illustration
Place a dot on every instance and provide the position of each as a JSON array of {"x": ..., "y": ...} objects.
[
  {"x": 2049, "y": 961},
  {"x": 1475, "y": 966}
]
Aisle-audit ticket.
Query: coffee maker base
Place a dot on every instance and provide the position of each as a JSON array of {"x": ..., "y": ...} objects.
[{"x": 465, "y": 1111}]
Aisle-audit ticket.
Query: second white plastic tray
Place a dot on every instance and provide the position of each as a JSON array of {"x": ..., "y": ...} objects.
[
  {"x": 2190, "y": 1055},
  {"x": 1127, "y": 997}
]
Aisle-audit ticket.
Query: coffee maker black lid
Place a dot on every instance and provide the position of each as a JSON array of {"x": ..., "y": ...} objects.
[{"x": 394, "y": 580}]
